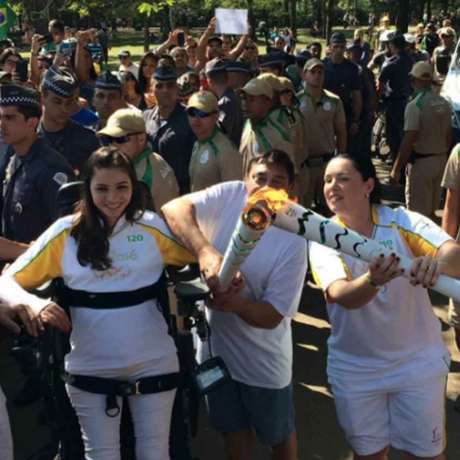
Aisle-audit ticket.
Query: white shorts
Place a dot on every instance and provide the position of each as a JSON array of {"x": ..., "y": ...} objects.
[{"x": 410, "y": 419}]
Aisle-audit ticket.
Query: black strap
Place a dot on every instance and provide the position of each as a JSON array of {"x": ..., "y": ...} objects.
[
  {"x": 113, "y": 387},
  {"x": 108, "y": 300}
]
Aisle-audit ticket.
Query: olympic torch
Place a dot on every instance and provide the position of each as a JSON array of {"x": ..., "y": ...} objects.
[
  {"x": 294, "y": 218},
  {"x": 248, "y": 231}
]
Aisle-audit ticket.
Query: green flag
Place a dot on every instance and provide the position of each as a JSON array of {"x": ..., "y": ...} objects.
[{"x": 7, "y": 19}]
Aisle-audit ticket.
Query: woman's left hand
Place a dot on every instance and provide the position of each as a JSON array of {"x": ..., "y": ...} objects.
[{"x": 425, "y": 270}]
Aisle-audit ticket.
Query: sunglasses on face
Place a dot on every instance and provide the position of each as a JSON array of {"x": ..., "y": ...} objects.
[
  {"x": 107, "y": 140},
  {"x": 193, "y": 112}
]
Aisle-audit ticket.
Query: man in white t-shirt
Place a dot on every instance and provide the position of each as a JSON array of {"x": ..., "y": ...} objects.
[
  {"x": 127, "y": 65},
  {"x": 251, "y": 329}
]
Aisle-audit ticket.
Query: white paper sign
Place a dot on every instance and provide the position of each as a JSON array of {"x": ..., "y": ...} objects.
[{"x": 230, "y": 21}]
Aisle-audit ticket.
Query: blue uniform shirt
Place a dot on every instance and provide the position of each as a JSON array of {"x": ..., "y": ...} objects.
[{"x": 30, "y": 187}]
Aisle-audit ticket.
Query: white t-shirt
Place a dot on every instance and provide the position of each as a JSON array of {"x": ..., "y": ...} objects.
[
  {"x": 274, "y": 272},
  {"x": 133, "y": 68},
  {"x": 395, "y": 337}
]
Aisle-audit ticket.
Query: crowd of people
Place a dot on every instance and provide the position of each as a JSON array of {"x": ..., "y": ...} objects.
[{"x": 168, "y": 150}]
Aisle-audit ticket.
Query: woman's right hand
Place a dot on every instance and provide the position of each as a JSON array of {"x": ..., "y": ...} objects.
[
  {"x": 55, "y": 316},
  {"x": 383, "y": 269}
]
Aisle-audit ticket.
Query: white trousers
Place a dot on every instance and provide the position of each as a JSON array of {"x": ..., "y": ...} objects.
[
  {"x": 6, "y": 441},
  {"x": 151, "y": 415}
]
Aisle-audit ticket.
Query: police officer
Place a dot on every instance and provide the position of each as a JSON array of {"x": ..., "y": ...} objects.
[
  {"x": 126, "y": 130},
  {"x": 261, "y": 134},
  {"x": 59, "y": 91},
  {"x": 231, "y": 115},
  {"x": 394, "y": 88},
  {"x": 427, "y": 138},
  {"x": 167, "y": 126},
  {"x": 341, "y": 77},
  {"x": 239, "y": 73},
  {"x": 325, "y": 128},
  {"x": 108, "y": 97},
  {"x": 214, "y": 157},
  {"x": 442, "y": 55},
  {"x": 32, "y": 171}
]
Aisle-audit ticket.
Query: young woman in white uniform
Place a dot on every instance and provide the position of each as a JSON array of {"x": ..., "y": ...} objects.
[
  {"x": 387, "y": 364},
  {"x": 110, "y": 246}
]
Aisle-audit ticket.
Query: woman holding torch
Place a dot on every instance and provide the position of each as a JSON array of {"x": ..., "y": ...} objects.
[{"x": 387, "y": 363}]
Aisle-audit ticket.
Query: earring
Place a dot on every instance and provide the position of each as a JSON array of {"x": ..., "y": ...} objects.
[{"x": 367, "y": 195}]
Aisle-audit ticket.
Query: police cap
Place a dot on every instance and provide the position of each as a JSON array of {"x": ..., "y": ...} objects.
[
  {"x": 60, "y": 80},
  {"x": 19, "y": 96}
]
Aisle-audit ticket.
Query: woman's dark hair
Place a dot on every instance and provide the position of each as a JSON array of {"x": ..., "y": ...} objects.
[
  {"x": 366, "y": 169},
  {"x": 91, "y": 230},
  {"x": 143, "y": 82},
  {"x": 7, "y": 53},
  {"x": 275, "y": 157}
]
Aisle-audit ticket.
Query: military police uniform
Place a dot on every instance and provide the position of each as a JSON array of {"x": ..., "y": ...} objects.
[
  {"x": 266, "y": 134},
  {"x": 75, "y": 143},
  {"x": 30, "y": 182},
  {"x": 451, "y": 180},
  {"x": 430, "y": 116},
  {"x": 160, "y": 185},
  {"x": 172, "y": 138},
  {"x": 158, "y": 176},
  {"x": 214, "y": 160},
  {"x": 321, "y": 116}
]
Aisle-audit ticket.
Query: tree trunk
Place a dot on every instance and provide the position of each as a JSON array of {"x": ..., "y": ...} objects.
[
  {"x": 422, "y": 10},
  {"x": 329, "y": 18},
  {"x": 428, "y": 9},
  {"x": 293, "y": 17},
  {"x": 402, "y": 21}
]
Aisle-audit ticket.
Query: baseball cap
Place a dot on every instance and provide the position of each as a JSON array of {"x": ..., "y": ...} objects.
[
  {"x": 257, "y": 87},
  {"x": 286, "y": 84},
  {"x": 311, "y": 63},
  {"x": 122, "y": 123},
  {"x": 204, "y": 101},
  {"x": 272, "y": 80},
  {"x": 338, "y": 37},
  {"x": 422, "y": 70},
  {"x": 124, "y": 53}
]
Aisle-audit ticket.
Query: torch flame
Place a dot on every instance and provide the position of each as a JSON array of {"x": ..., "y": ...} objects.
[{"x": 274, "y": 200}]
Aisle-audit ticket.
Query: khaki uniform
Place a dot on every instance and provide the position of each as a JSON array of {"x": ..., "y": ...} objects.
[
  {"x": 214, "y": 160},
  {"x": 158, "y": 176},
  {"x": 451, "y": 179},
  {"x": 430, "y": 116},
  {"x": 263, "y": 137},
  {"x": 321, "y": 116}
]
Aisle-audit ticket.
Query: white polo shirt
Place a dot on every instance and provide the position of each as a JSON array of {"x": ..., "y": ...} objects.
[{"x": 396, "y": 336}]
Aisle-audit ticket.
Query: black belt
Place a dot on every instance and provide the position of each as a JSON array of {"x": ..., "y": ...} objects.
[
  {"x": 418, "y": 156},
  {"x": 317, "y": 161},
  {"x": 107, "y": 300},
  {"x": 113, "y": 388}
]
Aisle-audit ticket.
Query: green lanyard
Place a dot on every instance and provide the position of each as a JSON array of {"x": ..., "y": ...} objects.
[{"x": 147, "y": 178}]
